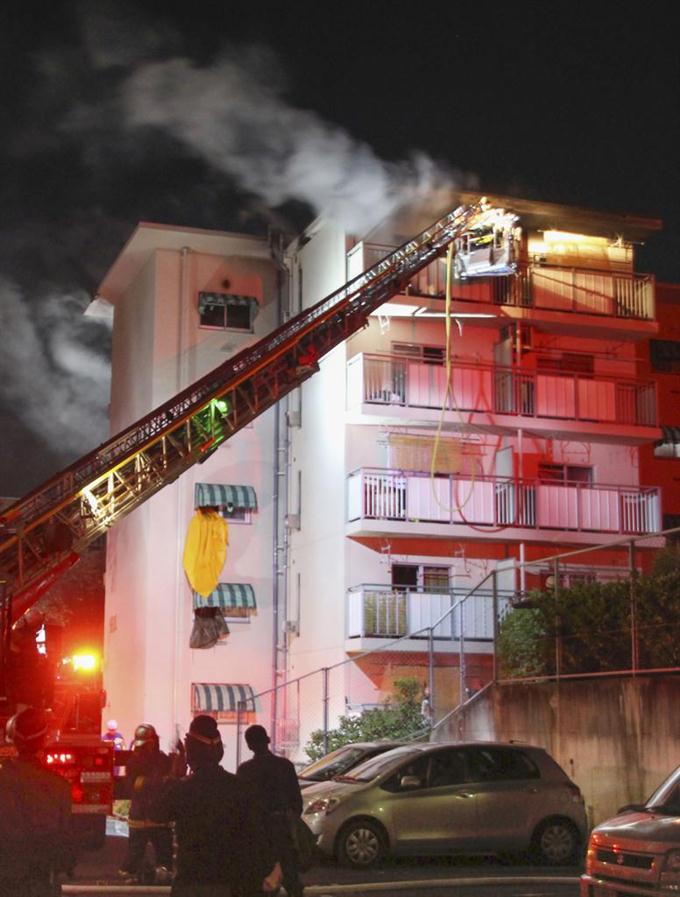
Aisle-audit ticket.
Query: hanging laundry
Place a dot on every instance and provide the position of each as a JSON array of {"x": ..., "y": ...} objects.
[{"x": 205, "y": 550}]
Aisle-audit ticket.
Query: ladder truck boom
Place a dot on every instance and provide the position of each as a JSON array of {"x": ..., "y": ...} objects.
[{"x": 44, "y": 533}]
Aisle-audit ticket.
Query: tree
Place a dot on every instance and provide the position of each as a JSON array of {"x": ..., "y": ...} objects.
[{"x": 398, "y": 718}]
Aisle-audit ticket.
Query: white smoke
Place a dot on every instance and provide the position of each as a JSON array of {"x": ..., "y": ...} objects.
[
  {"x": 51, "y": 370},
  {"x": 233, "y": 115}
]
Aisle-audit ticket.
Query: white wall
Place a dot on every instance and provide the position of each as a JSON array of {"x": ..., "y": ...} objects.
[{"x": 160, "y": 348}]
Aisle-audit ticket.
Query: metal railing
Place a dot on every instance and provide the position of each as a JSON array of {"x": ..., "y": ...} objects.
[
  {"x": 382, "y": 611},
  {"x": 391, "y": 380},
  {"x": 556, "y": 288},
  {"x": 491, "y": 501}
]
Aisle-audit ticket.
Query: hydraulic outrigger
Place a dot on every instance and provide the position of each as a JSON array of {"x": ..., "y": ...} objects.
[{"x": 43, "y": 534}]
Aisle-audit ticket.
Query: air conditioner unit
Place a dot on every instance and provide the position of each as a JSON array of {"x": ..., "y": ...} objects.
[
  {"x": 293, "y": 418},
  {"x": 293, "y": 521}
]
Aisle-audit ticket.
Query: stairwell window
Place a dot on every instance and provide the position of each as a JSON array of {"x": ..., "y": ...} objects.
[{"x": 227, "y": 311}]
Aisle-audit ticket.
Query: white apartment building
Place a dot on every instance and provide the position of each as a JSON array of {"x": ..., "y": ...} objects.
[{"x": 346, "y": 536}]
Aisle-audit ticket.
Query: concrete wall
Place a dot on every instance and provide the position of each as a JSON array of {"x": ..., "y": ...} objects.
[{"x": 617, "y": 738}]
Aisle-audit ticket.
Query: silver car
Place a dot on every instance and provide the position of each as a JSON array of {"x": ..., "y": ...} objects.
[
  {"x": 472, "y": 798},
  {"x": 342, "y": 760}
]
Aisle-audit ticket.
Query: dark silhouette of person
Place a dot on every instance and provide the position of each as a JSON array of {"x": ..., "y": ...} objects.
[
  {"x": 274, "y": 780},
  {"x": 35, "y": 814},
  {"x": 147, "y": 770},
  {"x": 222, "y": 850}
]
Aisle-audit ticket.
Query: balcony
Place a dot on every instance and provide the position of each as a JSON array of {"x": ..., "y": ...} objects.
[
  {"x": 386, "y": 503},
  {"x": 546, "y": 295},
  {"x": 501, "y": 400},
  {"x": 400, "y": 620}
]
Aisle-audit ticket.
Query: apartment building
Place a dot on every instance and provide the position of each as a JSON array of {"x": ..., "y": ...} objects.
[
  {"x": 433, "y": 451},
  {"x": 412, "y": 485}
]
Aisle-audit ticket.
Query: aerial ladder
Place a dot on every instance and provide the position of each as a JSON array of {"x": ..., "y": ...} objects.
[{"x": 43, "y": 534}]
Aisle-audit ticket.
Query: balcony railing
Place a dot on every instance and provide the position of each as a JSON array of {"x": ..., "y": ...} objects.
[
  {"x": 389, "y": 380},
  {"x": 551, "y": 288},
  {"x": 488, "y": 501},
  {"x": 379, "y": 611}
]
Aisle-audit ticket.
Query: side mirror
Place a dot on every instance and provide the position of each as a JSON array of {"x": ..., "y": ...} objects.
[{"x": 408, "y": 783}]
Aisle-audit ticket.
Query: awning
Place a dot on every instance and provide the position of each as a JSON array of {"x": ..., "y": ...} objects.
[
  {"x": 671, "y": 436},
  {"x": 214, "y": 697},
  {"x": 216, "y": 495},
  {"x": 228, "y": 595},
  {"x": 220, "y": 300}
]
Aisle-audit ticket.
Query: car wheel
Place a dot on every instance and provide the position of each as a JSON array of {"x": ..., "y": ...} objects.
[
  {"x": 361, "y": 843},
  {"x": 555, "y": 842}
]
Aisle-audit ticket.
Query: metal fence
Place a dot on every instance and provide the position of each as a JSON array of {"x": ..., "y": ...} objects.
[{"x": 465, "y": 647}]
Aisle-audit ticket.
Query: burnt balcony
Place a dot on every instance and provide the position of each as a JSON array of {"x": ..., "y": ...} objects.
[
  {"x": 413, "y": 503},
  {"x": 547, "y": 295},
  {"x": 588, "y": 406}
]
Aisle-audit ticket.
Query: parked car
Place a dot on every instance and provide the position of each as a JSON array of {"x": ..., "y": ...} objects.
[
  {"x": 472, "y": 798},
  {"x": 638, "y": 851},
  {"x": 342, "y": 760}
]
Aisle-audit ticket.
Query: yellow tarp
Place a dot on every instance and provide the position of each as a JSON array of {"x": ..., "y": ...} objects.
[{"x": 205, "y": 550}]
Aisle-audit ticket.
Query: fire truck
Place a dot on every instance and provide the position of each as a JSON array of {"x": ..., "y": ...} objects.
[
  {"x": 44, "y": 534},
  {"x": 74, "y": 748}
]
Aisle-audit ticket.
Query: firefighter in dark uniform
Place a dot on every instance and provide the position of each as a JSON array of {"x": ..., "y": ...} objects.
[
  {"x": 35, "y": 814},
  {"x": 275, "y": 782},
  {"x": 147, "y": 770},
  {"x": 222, "y": 849}
]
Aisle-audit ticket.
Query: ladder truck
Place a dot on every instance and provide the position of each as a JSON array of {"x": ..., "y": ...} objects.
[{"x": 43, "y": 534}]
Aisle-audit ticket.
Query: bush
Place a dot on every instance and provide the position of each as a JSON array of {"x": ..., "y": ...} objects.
[{"x": 399, "y": 718}]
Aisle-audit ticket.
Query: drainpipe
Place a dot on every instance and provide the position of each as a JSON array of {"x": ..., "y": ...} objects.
[
  {"x": 279, "y": 532},
  {"x": 181, "y": 381}
]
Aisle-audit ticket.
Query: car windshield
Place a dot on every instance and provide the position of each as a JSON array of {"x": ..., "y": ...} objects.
[
  {"x": 666, "y": 798},
  {"x": 370, "y": 769},
  {"x": 333, "y": 764}
]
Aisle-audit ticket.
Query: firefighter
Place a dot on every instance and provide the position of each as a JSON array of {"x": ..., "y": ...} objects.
[
  {"x": 147, "y": 771},
  {"x": 275, "y": 784},
  {"x": 35, "y": 821},
  {"x": 222, "y": 844}
]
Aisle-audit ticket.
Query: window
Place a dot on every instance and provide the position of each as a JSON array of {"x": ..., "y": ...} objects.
[
  {"x": 669, "y": 445},
  {"x": 501, "y": 764},
  {"x": 426, "y": 354},
  {"x": 664, "y": 355},
  {"x": 448, "y": 768},
  {"x": 565, "y": 473},
  {"x": 566, "y": 363},
  {"x": 227, "y": 311},
  {"x": 416, "y": 768},
  {"x": 420, "y": 577}
]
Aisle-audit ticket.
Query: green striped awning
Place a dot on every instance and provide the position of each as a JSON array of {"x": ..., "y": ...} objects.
[
  {"x": 212, "y": 697},
  {"x": 219, "y": 300},
  {"x": 215, "y": 495},
  {"x": 228, "y": 595},
  {"x": 671, "y": 435}
]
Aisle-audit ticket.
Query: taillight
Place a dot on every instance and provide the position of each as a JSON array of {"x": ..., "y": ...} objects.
[{"x": 575, "y": 793}]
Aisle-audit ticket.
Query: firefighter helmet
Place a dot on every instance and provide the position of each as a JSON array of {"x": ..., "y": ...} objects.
[{"x": 145, "y": 734}]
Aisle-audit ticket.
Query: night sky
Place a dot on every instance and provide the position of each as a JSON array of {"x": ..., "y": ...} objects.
[{"x": 213, "y": 115}]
